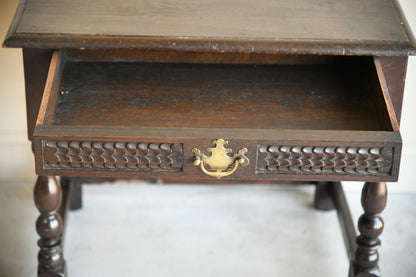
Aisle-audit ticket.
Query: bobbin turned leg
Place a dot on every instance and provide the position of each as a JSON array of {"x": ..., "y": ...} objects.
[
  {"x": 370, "y": 225},
  {"x": 48, "y": 197}
]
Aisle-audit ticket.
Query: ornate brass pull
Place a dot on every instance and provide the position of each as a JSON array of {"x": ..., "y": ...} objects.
[{"x": 219, "y": 160}]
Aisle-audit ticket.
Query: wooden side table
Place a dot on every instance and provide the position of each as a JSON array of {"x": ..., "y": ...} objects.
[{"x": 219, "y": 91}]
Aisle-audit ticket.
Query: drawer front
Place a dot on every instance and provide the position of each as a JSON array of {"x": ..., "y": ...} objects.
[{"x": 266, "y": 160}]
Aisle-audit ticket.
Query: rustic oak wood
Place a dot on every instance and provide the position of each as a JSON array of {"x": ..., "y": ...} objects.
[
  {"x": 262, "y": 106},
  {"x": 50, "y": 95},
  {"x": 210, "y": 57},
  {"x": 49, "y": 226},
  {"x": 266, "y": 19},
  {"x": 394, "y": 69},
  {"x": 36, "y": 65},
  {"x": 242, "y": 97},
  {"x": 73, "y": 189},
  {"x": 67, "y": 194},
  {"x": 370, "y": 225},
  {"x": 323, "y": 196},
  {"x": 375, "y": 27},
  {"x": 312, "y": 88}
]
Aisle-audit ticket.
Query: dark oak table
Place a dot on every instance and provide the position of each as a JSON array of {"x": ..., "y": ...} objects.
[{"x": 214, "y": 91}]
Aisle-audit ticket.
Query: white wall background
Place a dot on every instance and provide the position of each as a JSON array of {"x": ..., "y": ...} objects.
[{"x": 16, "y": 161}]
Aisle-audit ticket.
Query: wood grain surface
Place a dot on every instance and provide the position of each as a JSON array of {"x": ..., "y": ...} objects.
[
  {"x": 300, "y": 19},
  {"x": 340, "y": 104},
  {"x": 303, "y": 26},
  {"x": 215, "y": 96}
]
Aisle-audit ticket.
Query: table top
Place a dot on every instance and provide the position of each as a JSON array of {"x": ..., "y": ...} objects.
[{"x": 375, "y": 27}]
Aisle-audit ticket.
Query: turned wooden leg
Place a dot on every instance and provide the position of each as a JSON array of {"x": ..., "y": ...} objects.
[
  {"x": 370, "y": 225},
  {"x": 49, "y": 226},
  {"x": 323, "y": 196}
]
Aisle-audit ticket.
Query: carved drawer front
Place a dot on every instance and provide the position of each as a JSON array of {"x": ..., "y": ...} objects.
[
  {"x": 314, "y": 160},
  {"x": 329, "y": 119},
  {"x": 118, "y": 156}
]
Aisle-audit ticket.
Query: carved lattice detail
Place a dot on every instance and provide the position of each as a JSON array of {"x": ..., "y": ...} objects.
[
  {"x": 120, "y": 156},
  {"x": 324, "y": 160}
]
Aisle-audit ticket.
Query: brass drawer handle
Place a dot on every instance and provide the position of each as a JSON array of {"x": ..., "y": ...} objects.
[{"x": 219, "y": 160}]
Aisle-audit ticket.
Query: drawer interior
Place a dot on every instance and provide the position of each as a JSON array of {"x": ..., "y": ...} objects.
[
  {"x": 299, "y": 117},
  {"x": 333, "y": 96}
]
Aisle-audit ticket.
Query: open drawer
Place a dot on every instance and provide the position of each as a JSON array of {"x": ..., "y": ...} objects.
[{"x": 312, "y": 121}]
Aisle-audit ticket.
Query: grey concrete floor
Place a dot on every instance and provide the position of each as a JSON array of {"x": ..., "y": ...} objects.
[{"x": 201, "y": 230}]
